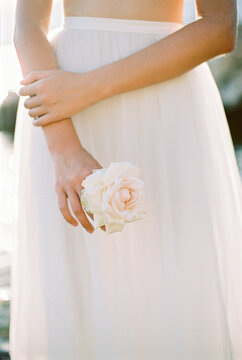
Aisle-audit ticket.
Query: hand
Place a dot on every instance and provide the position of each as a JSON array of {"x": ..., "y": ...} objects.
[
  {"x": 71, "y": 168},
  {"x": 56, "y": 94}
]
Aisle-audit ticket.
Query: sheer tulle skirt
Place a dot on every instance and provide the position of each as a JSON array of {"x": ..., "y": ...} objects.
[{"x": 167, "y": 287}]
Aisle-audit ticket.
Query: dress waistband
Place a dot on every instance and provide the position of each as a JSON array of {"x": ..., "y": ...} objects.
[{"x": 116, "y": 24}]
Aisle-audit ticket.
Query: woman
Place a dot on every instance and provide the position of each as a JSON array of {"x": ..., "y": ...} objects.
[{"x": 126, "y": 81}]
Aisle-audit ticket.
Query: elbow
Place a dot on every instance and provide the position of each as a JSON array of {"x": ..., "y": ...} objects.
[
  {"x": 230, "y": 43},
  {"x": 229, "y": 46},
  {"x": 222, "y": 30},
  {"x": 17, "y": 34},
  {"x": 24, "y": 28},
  {"x": 229, "y": 33}
]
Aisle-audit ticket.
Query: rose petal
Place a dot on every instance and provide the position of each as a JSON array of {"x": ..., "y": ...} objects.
[{"x": 120, "y": 170}]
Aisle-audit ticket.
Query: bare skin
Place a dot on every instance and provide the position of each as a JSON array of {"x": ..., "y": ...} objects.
[
  {"x": 212, "y": 34},
  {"x": 154, "y": 10}
]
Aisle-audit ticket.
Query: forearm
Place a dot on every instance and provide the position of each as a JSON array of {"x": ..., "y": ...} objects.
[
  {"x": 171, "y": 56},
  {"x": 35, "y": 52},
  {"x": 213, "y": 34}
]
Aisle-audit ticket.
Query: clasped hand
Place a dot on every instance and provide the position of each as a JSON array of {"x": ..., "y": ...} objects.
[{"x": 57, "y": 94}]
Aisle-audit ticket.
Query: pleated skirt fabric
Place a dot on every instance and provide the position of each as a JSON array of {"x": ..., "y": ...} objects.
[{"x": 168, "y": 287}]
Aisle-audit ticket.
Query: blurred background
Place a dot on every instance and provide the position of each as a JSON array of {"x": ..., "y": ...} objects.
[{"x": 227, "y": 71}]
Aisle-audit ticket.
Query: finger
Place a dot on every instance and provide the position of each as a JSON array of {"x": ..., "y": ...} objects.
[
  {"x": 91, "y": 216},
  {"x": 79, "y": 189},
  {"x": 45, "y": 120},
  {"x": 32, "y": 102},
  {"x": 64, "y": 209},
  {"x": 28, "y": 90},
  {"x": 79, "y": 212},
  {"x": 37, "y": 111},
  {"x": 34, "y": 76},
  {"x": 101, "y": 227}
]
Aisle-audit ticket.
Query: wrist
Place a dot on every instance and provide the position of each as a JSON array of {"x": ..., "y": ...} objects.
[
  {"x": 66, "y": 150},
  {"x": 61, "y": 138},
  {"x": 100, "y": 87}
]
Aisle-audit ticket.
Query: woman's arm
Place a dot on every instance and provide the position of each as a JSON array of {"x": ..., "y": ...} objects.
[
  {"x": 214, "y": 33},
  {"x": 35, "y": 52},
  {"x": 71, "y": 161}
]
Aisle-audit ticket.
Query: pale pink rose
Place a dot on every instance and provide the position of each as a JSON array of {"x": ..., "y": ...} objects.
[{"x": 114, "y": 196}]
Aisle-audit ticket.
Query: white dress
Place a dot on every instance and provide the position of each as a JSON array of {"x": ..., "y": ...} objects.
[{"x": 168, "y": 287}]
